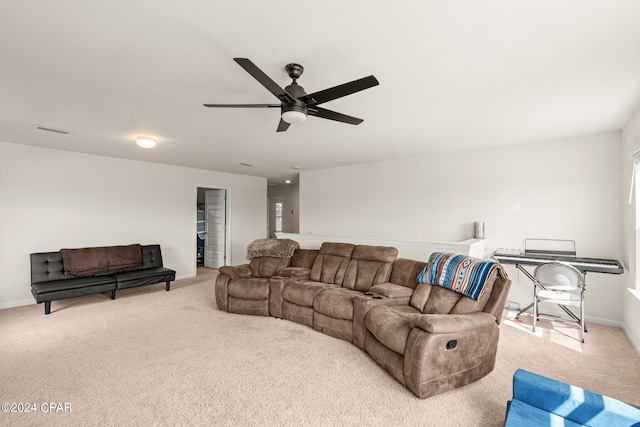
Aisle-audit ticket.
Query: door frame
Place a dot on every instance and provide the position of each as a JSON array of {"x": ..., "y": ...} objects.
[{"x": 228, "y": 219}]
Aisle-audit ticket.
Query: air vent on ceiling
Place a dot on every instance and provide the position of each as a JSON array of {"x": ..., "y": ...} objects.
[
  {"x": 245, "y": 164},
  {"x": 64, "y": 132}
]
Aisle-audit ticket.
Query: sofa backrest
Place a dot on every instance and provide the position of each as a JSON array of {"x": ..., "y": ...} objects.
[
  {"x": 303, "y": 258},
  {"x": 46, "y": 266},
  {"x": 405, "y": 272},
  {"x": 151, "y": 256},
  {"x": 498, "y": 298},
  {"x": 267, "y": 266},
  {"x": 369, "y": 265},
  {"x": 434, "y": 299},
  {"x": 331, "y": 263},
  {"x": 49, "y": 266}
]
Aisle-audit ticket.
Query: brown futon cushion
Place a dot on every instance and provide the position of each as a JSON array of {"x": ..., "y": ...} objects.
[{"x": 90, "y": 261}]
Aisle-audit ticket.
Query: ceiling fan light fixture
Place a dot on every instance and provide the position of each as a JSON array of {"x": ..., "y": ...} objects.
[
  {"x": 145, "y": 142},
  {"x": 294, "y": 117}
]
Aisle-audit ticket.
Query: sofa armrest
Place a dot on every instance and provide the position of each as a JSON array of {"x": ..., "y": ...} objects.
[
  {"x": 391, "y": 290},
  {"x": 276, "y": 286},
  {"x": 446, "y": 351},
  {"x": 452, "y": 323},
  {"x": 365, "y": 302},
  {"x": 236, "y": 271},
  {"x": 222, "y": 292},
  {"x": 301, "y": 273}
]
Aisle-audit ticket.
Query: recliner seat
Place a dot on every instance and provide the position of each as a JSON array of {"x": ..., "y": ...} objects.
[
  {"x": 328, "y": 271},
  {"x": 333, "y": 308},
  {"x": 244, "y": 289},
  {"x": 442, "y": 340}
]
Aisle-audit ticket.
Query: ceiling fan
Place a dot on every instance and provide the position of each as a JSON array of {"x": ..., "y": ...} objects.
[{"x": 295, "y": 104}]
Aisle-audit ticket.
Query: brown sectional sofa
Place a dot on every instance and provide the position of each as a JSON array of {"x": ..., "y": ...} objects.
[
  {"x": 429, "y": 338},
  {"x": 244, "y": 289}
]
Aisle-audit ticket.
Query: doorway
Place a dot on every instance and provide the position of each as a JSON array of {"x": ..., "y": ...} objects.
[
  {"x": 282, "y": 207},
  {"x": 274, "y": 225},
  {"x": 212, "y": 219}
]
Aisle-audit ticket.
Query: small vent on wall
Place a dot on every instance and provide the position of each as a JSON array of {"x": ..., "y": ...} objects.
[{"x": 64, "y": 132}]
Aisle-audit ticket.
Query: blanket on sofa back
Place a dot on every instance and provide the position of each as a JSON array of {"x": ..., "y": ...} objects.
[
  {"x": 463, "y": 274},
  {"x": 105, "y": 259},
  {"x": 277, "y": 248}
]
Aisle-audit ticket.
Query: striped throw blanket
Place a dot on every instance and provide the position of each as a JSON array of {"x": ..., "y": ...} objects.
[{"x": 459, "y": 273}]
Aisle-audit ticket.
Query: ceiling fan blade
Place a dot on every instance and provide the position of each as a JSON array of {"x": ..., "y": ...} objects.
[
  {"x": 332, "y": 115},
  {"x": 282, "y": 126},
  {"x": 339, "y": 91},
  {"x": 243, "y": 105},
  {"x": 264, "y": 80}
]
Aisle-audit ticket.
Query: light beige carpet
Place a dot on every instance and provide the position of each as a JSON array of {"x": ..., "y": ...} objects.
[{"x": 172, "y": 358}]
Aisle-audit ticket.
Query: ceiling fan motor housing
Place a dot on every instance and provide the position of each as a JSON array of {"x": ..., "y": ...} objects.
[{"x": 297, "y": 91}]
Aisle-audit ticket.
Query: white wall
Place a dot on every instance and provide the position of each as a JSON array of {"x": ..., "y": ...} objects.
[
  {"x": 52, "y": 199},
  {"x": 631, "y": 300},
  {"x": 565, "y": 189}
]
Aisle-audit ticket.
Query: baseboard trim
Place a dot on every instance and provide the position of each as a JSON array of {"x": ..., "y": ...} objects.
[
  {"x": 16, "y": 303},
  {"x": 606, "y": 322},
  {"x": 634, "y": 344}
]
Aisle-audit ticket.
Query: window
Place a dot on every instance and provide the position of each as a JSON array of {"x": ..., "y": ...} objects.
[{"x": 278, "y": 217}]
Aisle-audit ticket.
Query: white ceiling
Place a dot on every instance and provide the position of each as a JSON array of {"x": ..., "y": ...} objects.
[{"x": 454, "y": 75}]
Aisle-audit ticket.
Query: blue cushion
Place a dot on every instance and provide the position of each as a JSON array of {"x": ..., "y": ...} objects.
[
  {"x": 520, "y": 414},
  {"x": 573, "y": 403}
]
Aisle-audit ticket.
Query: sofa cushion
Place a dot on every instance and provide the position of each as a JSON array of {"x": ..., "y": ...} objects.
[
  {"x": 249, "y": 288},
  {"x": 303, "y": 293},
  {"x": 521, "y": 414},
  {"x": 159, "y": 272},
  {"x": 391, "y": 325},
  {"x": 431, "y": 299},
  {"x": 147, "y": 276},
  {"x": 303, "y": 258},
  {"x": 441, "y": 300},
  {"x": 391, "y": 290},
  {"x": 46, "y": 266},
  {"x": 386, "y": 254},
  {"x": 75, "y": 283},
  {"x": 569, "y": 402},
  {"x": 369, "y": 265},
  {"x": 469, "y": 305},
  {"x": 405, "y": 272},
  {"x": 331, "y": 263},
  {"x": 266, "y": 266},
  {"x": 294, "y": 272},
  {"x": 344, "y": 250},
  {"x": 336, "y": 303}
]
